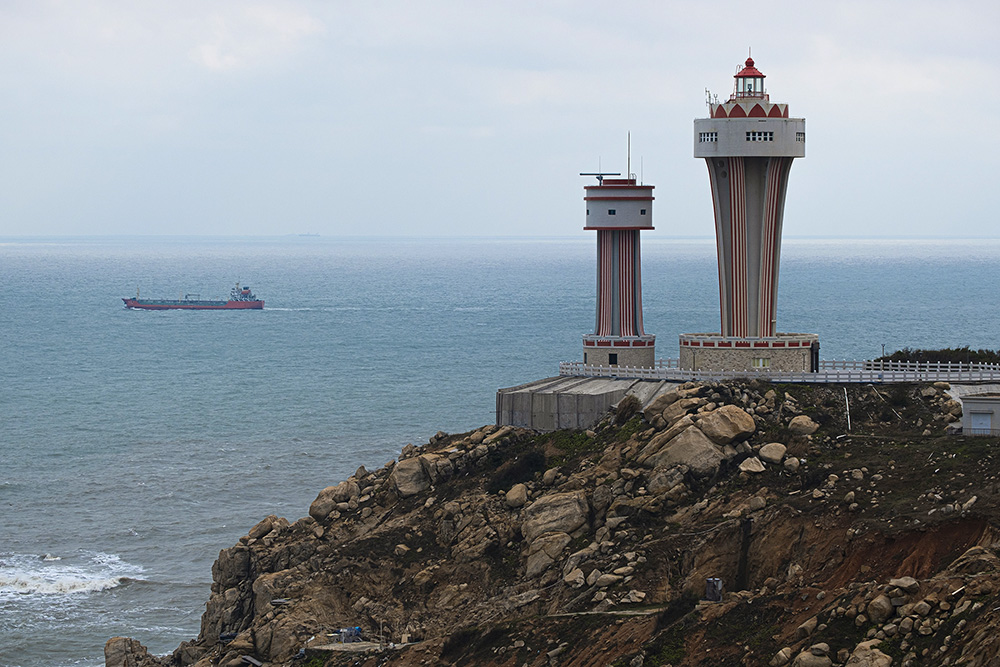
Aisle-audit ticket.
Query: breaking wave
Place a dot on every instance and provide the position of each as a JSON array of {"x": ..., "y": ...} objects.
[{"x": 90, "y": 572}]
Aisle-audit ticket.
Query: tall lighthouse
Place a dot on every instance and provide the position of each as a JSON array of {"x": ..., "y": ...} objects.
[
  {"x": 748, "y": 144},
  {"x": 618, "y": 209}
]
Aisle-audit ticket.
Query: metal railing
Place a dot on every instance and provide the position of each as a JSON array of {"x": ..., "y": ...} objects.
[
  {"x": 906, "y": 366},
  {"x": 829, "y": 372}
]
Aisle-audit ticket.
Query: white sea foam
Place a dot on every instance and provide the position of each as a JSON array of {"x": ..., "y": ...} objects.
[
  {"x": 26, "y": 584},
  {"x": 89, "y": 572}
]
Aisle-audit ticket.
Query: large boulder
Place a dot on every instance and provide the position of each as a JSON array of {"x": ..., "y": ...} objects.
[
  {"x": 816, "y": 656},
  {"x": 866, "y": 655},
  {"x": 409, "y": 477},
  {"x": 437, "y": 467},
  {"x": 517, "y": 496},
  {"x": 544, "y": 551},
  {"x": 974, "y": 561},
  {"x": 557, "y": 512},
  {"x": 880, "y": 609},
  {"x": 691, "y": 448},
  {"x": 659, "y": 404},
  {"x": 802, "y": 425},
  {"x": 329, "y": 497},
  {"x": 262, "y": 528},
  {"x": 657, "y": 441},
  {"x": 662, "y": 481},
  {"x": 753, "y": 465},
  {"x": 124, "y": 652},
  {"x": 773, "y": 452},
  {"x": 681, "y": 407},
  {"x": 727, "y": 424},
  {"x": 908, "y": 585}
]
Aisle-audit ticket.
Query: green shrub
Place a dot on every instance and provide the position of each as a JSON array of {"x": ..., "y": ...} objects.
[{"x": 948, "y": 354}]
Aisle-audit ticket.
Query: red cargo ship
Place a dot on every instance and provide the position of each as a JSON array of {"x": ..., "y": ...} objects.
[{"x": 241, "y": 298}]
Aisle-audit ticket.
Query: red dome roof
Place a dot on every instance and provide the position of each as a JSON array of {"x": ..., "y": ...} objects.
[{"x": 749, "y": 70}]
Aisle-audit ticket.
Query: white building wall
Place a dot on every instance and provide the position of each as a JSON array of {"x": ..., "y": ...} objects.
[{"x": 788, "y": 137}]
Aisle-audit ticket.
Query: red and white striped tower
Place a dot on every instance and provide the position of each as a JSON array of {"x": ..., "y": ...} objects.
[
  {"x": 749, "y": 143},
  {"x": 618, "y": 208}
]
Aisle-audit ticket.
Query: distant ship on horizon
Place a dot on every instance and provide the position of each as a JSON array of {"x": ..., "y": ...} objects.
[{"x": 240, "y": 298}]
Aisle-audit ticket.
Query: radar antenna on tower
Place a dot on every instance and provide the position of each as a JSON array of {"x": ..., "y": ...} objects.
[{"x": 600, "y": 175}]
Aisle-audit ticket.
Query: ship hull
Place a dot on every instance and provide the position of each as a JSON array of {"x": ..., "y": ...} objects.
[{"x": 165, "y": 304}]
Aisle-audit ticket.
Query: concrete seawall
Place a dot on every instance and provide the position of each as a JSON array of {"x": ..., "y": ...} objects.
[{"x": 569, "y": 402}]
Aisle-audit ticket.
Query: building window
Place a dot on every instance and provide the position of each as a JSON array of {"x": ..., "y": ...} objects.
[
  {"x": 708, "y": 137},
  {"x": 800, "y": 137},
  {"x": 611, "y": 211},
  {"x": 642, "y": 211},
  {"x": 760, "y": 136},
  {"x": 613, "y": 359},
  {"x": 761, "y": 362},
  {"x": 588, "y": 211}
]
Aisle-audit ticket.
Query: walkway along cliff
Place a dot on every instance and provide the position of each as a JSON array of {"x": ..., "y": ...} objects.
[{"x": 873, "y": 544}]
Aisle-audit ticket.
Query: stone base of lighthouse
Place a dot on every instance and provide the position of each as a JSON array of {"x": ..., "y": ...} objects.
[
  {"x": 787, "y": 352},
  {"x": 633, "y": 351}
]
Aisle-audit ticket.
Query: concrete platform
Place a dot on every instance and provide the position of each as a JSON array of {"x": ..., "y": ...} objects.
[{"x": 569, "y": 402}]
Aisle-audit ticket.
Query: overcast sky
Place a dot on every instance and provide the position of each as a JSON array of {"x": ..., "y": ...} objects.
[{"x": 474, "y": 118}]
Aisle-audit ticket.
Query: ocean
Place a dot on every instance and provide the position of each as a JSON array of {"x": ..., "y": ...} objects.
[{"x": 135, "y": 445}]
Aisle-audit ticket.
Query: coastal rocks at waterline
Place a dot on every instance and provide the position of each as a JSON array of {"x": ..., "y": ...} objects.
[
  {"x": 481, "y": 548},
  {"x": 332, "y": 496},
  {"x": 124, "y": 652}
]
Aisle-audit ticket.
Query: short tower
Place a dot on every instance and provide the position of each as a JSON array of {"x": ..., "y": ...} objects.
[
  {"x": 748, "y": 144},
  {"x": 618, "y": 209}
]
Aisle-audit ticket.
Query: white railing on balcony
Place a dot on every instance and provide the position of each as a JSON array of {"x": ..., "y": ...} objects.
[{"x": 829, "y": 371}]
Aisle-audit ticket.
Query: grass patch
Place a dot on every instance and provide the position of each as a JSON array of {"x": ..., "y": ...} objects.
[
  {"x": 748, "y": 625},
  {"x": 574, "y": 443},
  {"x": 668, "y": 648}
]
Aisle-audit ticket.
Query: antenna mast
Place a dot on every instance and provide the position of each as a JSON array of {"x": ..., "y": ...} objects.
[{"x": 628, "y": 155}]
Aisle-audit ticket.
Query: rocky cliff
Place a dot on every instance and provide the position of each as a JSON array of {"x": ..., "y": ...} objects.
[{"x": 874, "y": 545}]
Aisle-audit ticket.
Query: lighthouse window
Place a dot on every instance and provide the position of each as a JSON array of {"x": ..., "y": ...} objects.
[
  {"x": 611, "y": 211},
  {"x": 760, "y": 362},
  {"x": 760, "y": 136},
  {"x": 800, "y": 137},
  {"x": 708, "y": 137},
  {"x": 642, "y": 211}
]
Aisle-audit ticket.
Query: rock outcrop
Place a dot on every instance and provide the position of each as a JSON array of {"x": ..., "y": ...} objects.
[{"x": 872, "y": 547}]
